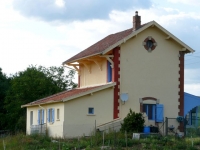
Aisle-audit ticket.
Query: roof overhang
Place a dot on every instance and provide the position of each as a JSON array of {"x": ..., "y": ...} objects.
[{"x": 112, "y": 84}]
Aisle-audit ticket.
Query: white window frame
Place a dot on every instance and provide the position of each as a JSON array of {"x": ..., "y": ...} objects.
[{"x": 58, "y": 114}]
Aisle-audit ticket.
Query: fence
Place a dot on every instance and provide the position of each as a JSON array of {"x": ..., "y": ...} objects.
[
  {"x": 38, "y": 129},
  {"x": 4, "y": 133}
]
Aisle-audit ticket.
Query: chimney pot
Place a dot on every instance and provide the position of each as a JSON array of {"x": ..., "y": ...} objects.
[{"x": 136, "y": 21}]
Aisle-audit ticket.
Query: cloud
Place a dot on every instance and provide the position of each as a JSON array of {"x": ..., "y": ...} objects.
[
  {"x": 70, "y": 10},
  {"x": 187, "y": 2},
  {"x": 193, "y": 88}
]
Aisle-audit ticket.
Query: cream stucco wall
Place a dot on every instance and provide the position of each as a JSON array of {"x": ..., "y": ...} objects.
[
  {"x": 78, "y": 122},
  {"x": 96, "y": 75},
  {"x": 150, "y": 74},
  {"x": 53, "y": 129}
]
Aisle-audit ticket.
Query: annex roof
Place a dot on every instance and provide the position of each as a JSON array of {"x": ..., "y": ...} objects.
[
  {"x": 69, "y": 95},
  {"x": 111, "y": 41}
]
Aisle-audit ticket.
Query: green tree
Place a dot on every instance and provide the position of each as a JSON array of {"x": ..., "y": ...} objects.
[
  {"x": 133, "y": 122},
  {"x": 4, "y": 86},
  {"x": 32, "y": 84}
]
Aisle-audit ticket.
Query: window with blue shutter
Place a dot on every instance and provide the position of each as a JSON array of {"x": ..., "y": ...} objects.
[
  {"x": 109, "y": 72},
  {"x": 149, "y": 109},
  {"x": 53, "y": 115},
  {"x": 38, "y": 116},
  {"x": 42, "y": 116},
  {"x": 48, "y": 114},
  {"x": 159, "y": 113}
]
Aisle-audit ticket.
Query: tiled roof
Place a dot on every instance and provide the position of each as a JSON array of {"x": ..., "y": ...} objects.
[
  {"x": 67, "y": 94},
  {"x": 101, "y": 45}
]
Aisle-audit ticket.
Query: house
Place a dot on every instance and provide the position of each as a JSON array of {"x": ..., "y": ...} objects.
[
  {"x": 192, "y": 110},
  {"x": 141, "y": 68}
]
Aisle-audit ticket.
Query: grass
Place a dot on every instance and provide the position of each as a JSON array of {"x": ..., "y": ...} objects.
[{"x": 113, "y": 140}]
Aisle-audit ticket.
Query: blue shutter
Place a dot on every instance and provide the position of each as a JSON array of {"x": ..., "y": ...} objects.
[
  {"x": 38, "y": 116},
  {"x": 42, "y": 116},
  {"x": 159, "y": 112},
  {"x": 109, "y": 72},
  {"x": 48, "y": 114},
  {"x": 53, "y": 115}
]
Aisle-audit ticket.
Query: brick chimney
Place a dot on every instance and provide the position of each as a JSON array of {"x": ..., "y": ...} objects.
[{"x": 136, "y": 21}]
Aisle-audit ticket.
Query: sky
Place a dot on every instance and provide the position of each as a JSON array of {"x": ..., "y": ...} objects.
[{"x": 48, "y": 32}]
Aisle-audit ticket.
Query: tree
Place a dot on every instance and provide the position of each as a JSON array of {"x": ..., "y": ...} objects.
[
  {"x": 4, "y": 86},
  {"x": 32, "y": 84},
  {"x": 133, "y": 122}
]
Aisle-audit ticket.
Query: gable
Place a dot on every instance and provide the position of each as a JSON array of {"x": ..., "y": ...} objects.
[{"x": 110, "y": 42}]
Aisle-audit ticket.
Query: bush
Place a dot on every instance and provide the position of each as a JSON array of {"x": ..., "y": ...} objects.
[{"x": 133, "y": 122}]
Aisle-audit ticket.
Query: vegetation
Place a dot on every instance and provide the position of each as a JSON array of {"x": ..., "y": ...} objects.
[
  {"x": 26, "y": 86},
  {"x": 112, "y": 140},
  {"x": 133, "y": 122}
]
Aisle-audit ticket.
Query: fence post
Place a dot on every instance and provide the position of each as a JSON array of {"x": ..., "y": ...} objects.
[{"x": 166, "y": 126}]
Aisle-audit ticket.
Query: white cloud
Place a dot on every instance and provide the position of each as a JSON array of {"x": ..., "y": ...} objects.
[
  {"x": 193, "y": 89},
  {"x": 60, "y": 3},
  {"x": 187, "y": 2}
]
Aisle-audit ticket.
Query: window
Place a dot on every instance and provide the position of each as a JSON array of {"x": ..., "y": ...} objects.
[
  {"x": 109, "y": 72},
  {"x": 150, "y": 109},
  {"x": 41, "y": 116},
  {"x": 90, "y": 110},
  {"x": 51, "y": 115},
  {"x": 58, "y": 114},
  {"x": 31, "y": 118},
  {"x": 154, "y": 111}
]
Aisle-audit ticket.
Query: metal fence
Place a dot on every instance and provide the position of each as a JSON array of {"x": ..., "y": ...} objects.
[{"x": 38, "y": 129}]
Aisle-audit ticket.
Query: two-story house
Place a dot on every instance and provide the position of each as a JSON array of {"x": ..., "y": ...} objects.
[{"x": 141, "y": 68}]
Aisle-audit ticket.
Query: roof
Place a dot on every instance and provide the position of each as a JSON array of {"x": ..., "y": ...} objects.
[
  {"x": 190, "y": 102},
  {"x": 114, "y": 40},
  {"x": 69, "y": 95}
]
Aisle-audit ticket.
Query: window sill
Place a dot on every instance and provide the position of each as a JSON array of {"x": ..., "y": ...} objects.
[
  {"x": 91, "y": 115},
  {"x": 51, "y": 123},
  {"x": 58, "y": 120}
]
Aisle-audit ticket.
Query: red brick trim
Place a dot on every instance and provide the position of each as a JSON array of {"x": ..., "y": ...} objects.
[
  {"x": 181, "y": 89},
  {"x": 116, "y": 77},
  {"x": 146, "y": 98}
]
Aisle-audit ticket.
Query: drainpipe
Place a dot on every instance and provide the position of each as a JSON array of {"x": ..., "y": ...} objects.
[{"x": 46, "y": 114}]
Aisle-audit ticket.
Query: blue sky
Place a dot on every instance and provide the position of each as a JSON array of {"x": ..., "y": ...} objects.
[{"x": 49, "y": 32}]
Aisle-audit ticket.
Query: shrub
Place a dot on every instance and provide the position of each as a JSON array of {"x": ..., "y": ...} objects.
[{"x": 133, "y": 122}]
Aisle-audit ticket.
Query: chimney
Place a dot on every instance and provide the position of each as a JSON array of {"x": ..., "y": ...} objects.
[{"x": 136, "y": 21}]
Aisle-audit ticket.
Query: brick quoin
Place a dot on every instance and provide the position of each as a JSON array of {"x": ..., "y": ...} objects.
[
  {"x": 116, "y": 76},
  {"x": 181, "y": 89}
]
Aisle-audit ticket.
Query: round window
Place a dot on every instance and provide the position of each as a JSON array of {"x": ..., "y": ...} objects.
[{"x": 149, "y": 44}]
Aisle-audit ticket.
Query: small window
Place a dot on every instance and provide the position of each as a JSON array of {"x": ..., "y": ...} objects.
[
  {"x": 58, "y": 114},
  {"x": 90, "y": 110},
  {"x": 31, "y": 118}
]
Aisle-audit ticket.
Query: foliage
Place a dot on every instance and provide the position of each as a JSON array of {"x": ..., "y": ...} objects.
[
  {"x": 133, "y": 122},
  {"x": 4, "y": 86},
  {"x": 32, "y": 84},
  {"x": 112, "y": 140}
]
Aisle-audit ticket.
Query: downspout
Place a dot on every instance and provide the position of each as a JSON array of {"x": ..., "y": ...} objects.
[{"x": 46, "y": 115}]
